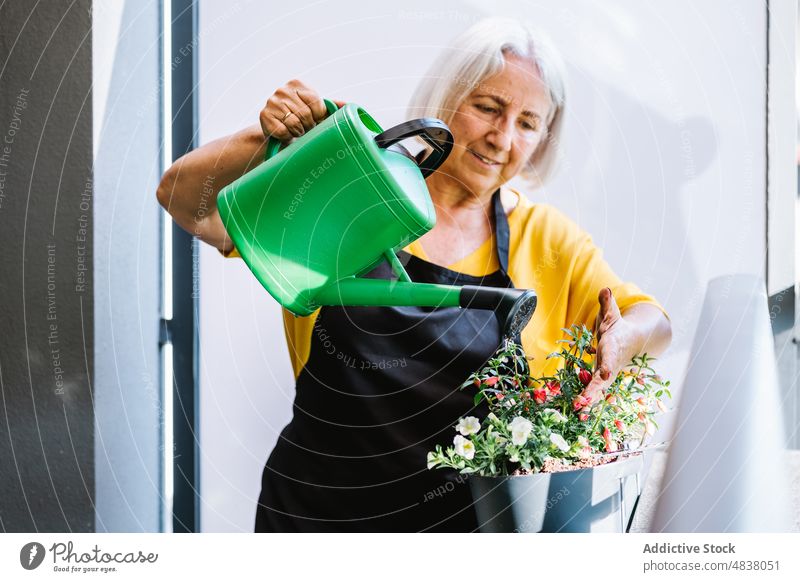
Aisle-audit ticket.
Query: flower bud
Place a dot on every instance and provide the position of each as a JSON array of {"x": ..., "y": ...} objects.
[{"x": 554, "y": 388}]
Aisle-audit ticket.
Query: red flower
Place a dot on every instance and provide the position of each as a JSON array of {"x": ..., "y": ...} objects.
[
  {"x": 641, "y": 416},
  {"x": 611, "y": 399},
  {"x": 585, "y": 377},
  {"x": 476, "y": 382},
  {"x": 491, "y": 381},
  {"x": 619, "y": 425},
  {"x": 591, "y": 350},
  {"x": 554, "y": 388},
  {"x": 581, "y": 402},
  {"x": 583, "y": 417},
  {"x": 540, "y": 396}
]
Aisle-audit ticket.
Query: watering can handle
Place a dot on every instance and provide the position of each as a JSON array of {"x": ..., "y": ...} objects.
[
  {"x": 273, "y": 145},
  {"x": 435, "y": 133}
]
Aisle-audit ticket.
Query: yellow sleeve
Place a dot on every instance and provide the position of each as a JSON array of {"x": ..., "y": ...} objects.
[
  {"x": 551, "y": 254},
  {"x": 590, "y": 274}
]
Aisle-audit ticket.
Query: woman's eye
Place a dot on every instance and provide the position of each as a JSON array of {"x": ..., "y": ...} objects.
[
  {"x": 530, "y": 126},
  {"x": 486, "y": 108}
]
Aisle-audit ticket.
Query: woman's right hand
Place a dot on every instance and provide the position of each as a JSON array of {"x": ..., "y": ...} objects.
[{"x": 291, "y": 111}]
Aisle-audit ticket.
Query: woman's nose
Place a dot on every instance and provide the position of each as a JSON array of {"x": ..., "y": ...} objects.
[{"x": 501, "y": 134}]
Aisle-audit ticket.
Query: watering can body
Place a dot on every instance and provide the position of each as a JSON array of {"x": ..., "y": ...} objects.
[
  {"x": 326, "y": 208},
  {"x": 315, "y": 216}
]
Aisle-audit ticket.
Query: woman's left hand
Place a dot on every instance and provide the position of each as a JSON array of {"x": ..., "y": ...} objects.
[{"x": 617, "y": 342}]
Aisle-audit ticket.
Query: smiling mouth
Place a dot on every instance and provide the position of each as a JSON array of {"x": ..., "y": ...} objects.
[{"x": 484, "y": 159}]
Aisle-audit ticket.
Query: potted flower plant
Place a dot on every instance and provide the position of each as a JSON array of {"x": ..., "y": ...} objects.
[{"x": 542, "y": 461}]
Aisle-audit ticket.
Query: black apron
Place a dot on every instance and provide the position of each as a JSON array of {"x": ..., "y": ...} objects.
[{"x": 380, "y": 390}]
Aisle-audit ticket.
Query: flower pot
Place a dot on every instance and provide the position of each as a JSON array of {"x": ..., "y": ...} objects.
[{"x": 596, "y": 499}]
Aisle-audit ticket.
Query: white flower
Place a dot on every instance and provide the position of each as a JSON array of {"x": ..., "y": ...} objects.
[
  {"x": 559, "y": 442},
  {"x": 584, "y": 451},
  {"x": 464, "y": 447},
  {"x": 557, "y": 416},
  {"x": 520, "y": 430},
  {"x": 510, "y": 403},
  {"x": 431, "y": 460},
  {"x": 469, "y": 425}
]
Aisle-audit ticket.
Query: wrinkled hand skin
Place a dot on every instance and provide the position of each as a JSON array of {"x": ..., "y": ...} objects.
[{"x": 616, "y": 345}]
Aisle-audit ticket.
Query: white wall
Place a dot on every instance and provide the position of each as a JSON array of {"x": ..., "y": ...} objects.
[{"x": 666, "y": 150}]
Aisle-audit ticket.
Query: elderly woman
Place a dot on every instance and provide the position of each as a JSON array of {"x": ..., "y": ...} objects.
[{"x": 353, "y": 456}]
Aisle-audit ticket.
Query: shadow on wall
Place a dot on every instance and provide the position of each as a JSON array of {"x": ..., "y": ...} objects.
[
  {"x": 623, "y": 157},
  {"x": 643, "y": 164}
]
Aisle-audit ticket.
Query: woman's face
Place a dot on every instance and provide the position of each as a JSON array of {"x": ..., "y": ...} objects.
[{"x": 497, "y": 128}]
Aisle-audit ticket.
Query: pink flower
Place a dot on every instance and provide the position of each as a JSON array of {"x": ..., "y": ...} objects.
[
  {"x": 554, "y": 388},
  {"x": 581, "y": 402},
  {"x": 585, "y": 450},
  {"x": 661, "y": 406},
  {"x": 611, "y": 446},
  {"x": 491, "y": 381},
  {"x": 619, "y": 425},
  {"x": 583, "y": 417},
  {"x": 641, "y": 400},
  {"x": 540, "y": 396},
  {"x": 585, "y": 377},
  {"x": 611, "y": 399}
]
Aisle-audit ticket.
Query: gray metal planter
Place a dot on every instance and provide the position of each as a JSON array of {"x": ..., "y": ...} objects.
[{"x": 598, "y": 499}]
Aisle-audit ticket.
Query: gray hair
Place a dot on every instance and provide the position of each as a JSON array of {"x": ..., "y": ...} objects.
[{"x": 479, "y": 53}]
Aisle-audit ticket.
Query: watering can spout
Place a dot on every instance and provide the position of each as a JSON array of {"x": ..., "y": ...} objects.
[{"x": 512, "y": 307}]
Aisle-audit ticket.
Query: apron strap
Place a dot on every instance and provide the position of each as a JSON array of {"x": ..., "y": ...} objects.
[{"x": 501, "y": 230}]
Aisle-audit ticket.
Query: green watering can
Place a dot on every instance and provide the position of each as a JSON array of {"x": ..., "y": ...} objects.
[{"x": 318, "y": 214}]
